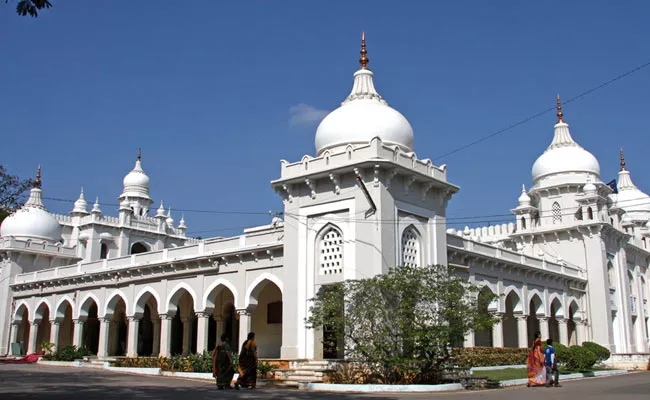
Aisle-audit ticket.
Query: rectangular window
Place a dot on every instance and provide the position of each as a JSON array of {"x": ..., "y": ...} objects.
[{"x": 274, "y": 313}]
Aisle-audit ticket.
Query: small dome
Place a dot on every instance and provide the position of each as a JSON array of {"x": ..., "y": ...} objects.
[
  {"x": 363, "y": 116},
  {"x": 80, "y": 205},
  {"x": 565, "y": 157},
  {"x": 630, "y": 198},
  {"x": 524, "y": 198},
  {"x": 32, "y": 221},
  {"x": 590, "y": 188},
  {"x": 136, "y": 182}
]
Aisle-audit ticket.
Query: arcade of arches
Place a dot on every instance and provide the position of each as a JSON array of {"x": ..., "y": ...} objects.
[
  {"x": 181, "y": 330},
  {"x": 514, "y": 328}
]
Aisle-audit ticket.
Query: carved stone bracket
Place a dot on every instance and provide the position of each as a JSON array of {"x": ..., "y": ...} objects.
[
  {"x": 337, "y": 184},
  {"x": 312, "y": 187}
]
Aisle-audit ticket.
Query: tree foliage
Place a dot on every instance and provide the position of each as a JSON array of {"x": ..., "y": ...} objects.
[
  {"x": 12, "y": 192},
  {"x": 31, "y": 7},
  {"x": 402, "y": 324}
]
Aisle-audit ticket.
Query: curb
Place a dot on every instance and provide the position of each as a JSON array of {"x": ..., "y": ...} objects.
[
  {"x": 335, "y": 387},
  {"x": 569, "y": 377}
]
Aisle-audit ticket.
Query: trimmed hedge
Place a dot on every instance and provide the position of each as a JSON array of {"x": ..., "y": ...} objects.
[
  {"x": 488, "y": 356},
  {"x": 601, "y": 352},
  {"x": 68, "y": 353},
  {"x": 580, "y": 359}
]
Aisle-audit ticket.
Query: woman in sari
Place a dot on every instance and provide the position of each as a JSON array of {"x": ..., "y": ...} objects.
[
  {"x": 247, "y": 363},
  {"x": 222, "y": 368},
  {"x": 535, "y": 363}
]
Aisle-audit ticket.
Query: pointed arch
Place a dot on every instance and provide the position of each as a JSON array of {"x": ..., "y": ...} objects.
[
  {"x": 85, "y": 304},
  {"x": 214, "y": 289},
  {"x": 556, "y": 212},
  {"x": 61, "y": 306},
  {"x": 114, "y": 298},
  {"x": 329, "y": 250},
  {"x": 536, "y": 304},
  {"x": 515, "y": 295},
  {"x": 39, "y": 311},
  {"x": 141, "y": 299},
  {"x": 255, "y": 288},
  {"x": 175, "y": 295},
  {"x": 411, "y": 246},
  {"x": 21, "y": 308},
  {"x": 556, "y": 309}
]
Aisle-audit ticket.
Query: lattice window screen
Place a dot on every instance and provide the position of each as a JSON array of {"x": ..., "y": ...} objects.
[
  {"x": 410, "y": 248},
  {"x": 331, "y": 252},
  {"x": 557, "y": 213}
]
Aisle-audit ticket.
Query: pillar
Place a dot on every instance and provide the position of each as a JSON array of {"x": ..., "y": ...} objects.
[
  {"x": 14, "y": 331},
  {"x": 564, "y": 331},
  {"x": 497, "y": 331},
  {"x": 165, "y": 335},
  {"x": 522, "y": 331},
  {"x": 202, "y": 334},
  {"x": 54, "y": 334},
  {"x": 543, "y": 327},
  {"x": 33, "y": 331},
  {"x": 156, "y": 336},
  {"x": 104, "y": 327},
  {"x": 187, "y": 335},
  {"x": 469, "y": 339},
  {"x": 220, "y": 325},
  {"x": 245, "y": 324},
  {"x": 78, "y": 332},
  {"x": 132, "y": 336}
]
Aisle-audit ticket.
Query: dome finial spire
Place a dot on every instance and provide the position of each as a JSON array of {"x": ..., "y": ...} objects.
[
  {"x": 38, "y": 182},
  {"x": 140, "y": 154},
  {"x": 622, "y": 160},
  {"x": 559, "y": 114},
  {"x": 363, "y": 60}
]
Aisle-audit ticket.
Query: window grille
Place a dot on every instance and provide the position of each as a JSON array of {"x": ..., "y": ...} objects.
[
  {"x": 557, "y": 213},
  {"x": 331, "y": 252},
  {"x": 410, "y": 248}
]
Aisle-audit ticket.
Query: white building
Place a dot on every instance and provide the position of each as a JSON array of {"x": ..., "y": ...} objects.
[{"x": 573, "y": 264}]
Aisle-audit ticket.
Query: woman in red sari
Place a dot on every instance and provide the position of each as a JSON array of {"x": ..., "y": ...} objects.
[{"x": 535, "y": 364}]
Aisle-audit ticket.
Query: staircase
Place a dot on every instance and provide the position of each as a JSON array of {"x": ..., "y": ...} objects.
[{"x": 302, "y": 372}]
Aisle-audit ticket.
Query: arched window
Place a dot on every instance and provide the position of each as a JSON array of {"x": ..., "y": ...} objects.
[
  {"x": 138, "y": 248},
  {"x": 411, "y": 254},
  {"x": 590, "y": 213},
  {"x": 579, "y": 214},
  {"x": 557, "y": 213},
  {"x": 523, "y": 223},
  {"x": 330, "y": 251},
  {"x": 103, "y": 251}
]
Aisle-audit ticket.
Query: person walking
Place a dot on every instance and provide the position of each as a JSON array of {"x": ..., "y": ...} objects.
[
  {"x": 552, "y": 373},
  {"x": 535, "y": 363},
  {"x": 222, "y": 368},
  {"x": 248, "y": 363}
]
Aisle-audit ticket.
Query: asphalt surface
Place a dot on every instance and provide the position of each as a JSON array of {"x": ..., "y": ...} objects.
[{"x": 58, "y": 383}]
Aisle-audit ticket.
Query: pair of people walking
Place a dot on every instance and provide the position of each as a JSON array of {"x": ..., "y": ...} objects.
[
  {"x": 222, "y": 364},
  {"x": 542, "y": 364}
]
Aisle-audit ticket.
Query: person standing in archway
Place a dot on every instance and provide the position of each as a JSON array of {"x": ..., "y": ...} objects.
[
  {"x": 248, "y": 363},
  {"x": 222, "y": 368}
]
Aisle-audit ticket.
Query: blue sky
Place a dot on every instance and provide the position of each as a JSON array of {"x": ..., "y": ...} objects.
[{"x": 216, "y": 93}]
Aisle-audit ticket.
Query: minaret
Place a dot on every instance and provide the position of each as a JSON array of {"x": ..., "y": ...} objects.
[
  {"x": 96, "y": 210},
  {"x": 161, "y": 217},
  {"x": 136, "y": 189},
  {"x": 524, "y": 211},
  {"x": 170, "y": 220},
  {"x": 181, "y": 225},
  {"x": 80, "y": 206}
]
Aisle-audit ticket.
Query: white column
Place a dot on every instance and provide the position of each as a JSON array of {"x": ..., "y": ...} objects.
[
  {"x": 104, "y": 327},
  {"x": 78, "y": 334},
  {"x": 132, "y": 338},
  {"x": 220, "y": 325},
  {"x": 165, "y": 335},
  {"x": 522, "y": 331},
  {"x": 33, "y": 331},
  {"x": 54, "y": 333},
  {"x": 497, "y": 331},
  {"x": 245, "y": 322},
  {"x": 156, "y": 336},
  {"x": 202, "y": 334},
  {"x": 14, "y": 332},
  {"x": 564, "y": 331},
  {"x": 581, "y": 332},
  {"x": 469, "y": 339},
  {"x": 187, "y": 335},
  {"x": 543, "y": 327}
]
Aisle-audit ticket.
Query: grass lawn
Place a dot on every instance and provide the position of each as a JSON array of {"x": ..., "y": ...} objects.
[{"x": 518, "y": 373}]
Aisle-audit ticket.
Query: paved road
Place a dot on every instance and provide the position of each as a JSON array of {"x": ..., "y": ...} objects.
[{"x": 56, "y": 383}]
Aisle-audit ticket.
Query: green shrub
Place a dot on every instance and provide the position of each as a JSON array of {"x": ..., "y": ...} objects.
[
  {"x": 68, "y": 353},
  {"x": 601, "y": 352},
  {"x": 561, "y": 353},
  {"x": 264, "y": 368},
  {"x": 488, "y": 356},
  {"x": 580, "y": 359}
]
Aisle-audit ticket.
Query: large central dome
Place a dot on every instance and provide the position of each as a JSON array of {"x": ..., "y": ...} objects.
[{"x": 363, "y": 116}]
